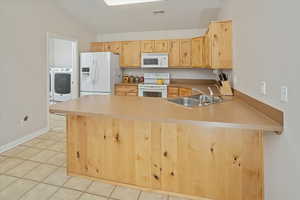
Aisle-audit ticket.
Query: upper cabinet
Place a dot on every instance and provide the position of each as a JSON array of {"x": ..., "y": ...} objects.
[
  {"x": 114, "y": 47},
  {"x": 97, "y": 46},
  {"x": 220, "y": 47},
  {"x": 180, "y": 52},
  {"x": 198, "y": 49},
  {"x": 147, "y": 46},
  {"x": 161, "y": 46},
  {"x": 186, "y": 53},
  {"x": 174, "y": 53},
  {"x": 150, "y": 46},
  {"x": 131, "y": 54},
  {"x": 213, "y": 50}
]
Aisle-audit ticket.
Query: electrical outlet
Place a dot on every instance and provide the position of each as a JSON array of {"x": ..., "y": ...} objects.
[
  {"x": 263, "y": 87},
  {"x": 284, "y": 94}
]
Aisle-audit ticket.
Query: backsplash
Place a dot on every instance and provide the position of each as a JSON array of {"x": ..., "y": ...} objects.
[{"x": 177, "y": 73}]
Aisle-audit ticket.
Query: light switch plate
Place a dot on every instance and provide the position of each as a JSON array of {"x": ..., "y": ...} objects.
[
  {"x": 284, "y": 94},
  {"x": 263, "y": 87}
]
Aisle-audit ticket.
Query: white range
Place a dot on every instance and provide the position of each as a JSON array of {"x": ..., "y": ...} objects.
[{"x": 151, "y": 88}]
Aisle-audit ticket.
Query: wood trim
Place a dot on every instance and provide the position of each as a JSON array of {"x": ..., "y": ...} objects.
[
  {"x": 193, "y": 81},
  {"x": 273, "y": 113}
]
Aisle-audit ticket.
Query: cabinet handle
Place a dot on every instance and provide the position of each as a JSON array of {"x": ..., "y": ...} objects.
[
  {"x": 78, "y": 154},
  {"x": 165, "y": 153},
  {"x": 156, "y": 177}
]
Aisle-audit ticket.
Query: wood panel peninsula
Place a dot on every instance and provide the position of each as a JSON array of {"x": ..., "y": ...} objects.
[{"x": 213, "y": 152}]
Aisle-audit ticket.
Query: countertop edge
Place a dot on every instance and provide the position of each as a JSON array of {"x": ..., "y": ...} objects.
[{"x": 277, "y": 129}]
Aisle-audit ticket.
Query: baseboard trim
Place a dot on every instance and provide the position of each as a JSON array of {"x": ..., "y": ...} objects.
[{"x": 22, "y": 140}]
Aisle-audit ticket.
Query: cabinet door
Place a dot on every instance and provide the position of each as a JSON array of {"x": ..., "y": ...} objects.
[
  {"x": 183, "y": 92},
  {"x": 221, "y": 36},
  {"x": 198, "y": 52},
  {"x": 114, "y": 47},
  {"x": 76, "y": 144},
  {"x": 147, "y": 46},
  {"x": 173, "y": 92},
  {"x": 161, "y": 45},
  {"x": 185, "y": 53},
  {"x": 131, "y": 54},
  {"x": 96, "y": 47},
  {"x": 174, "y": 53},
  {"x": 207, "y": 60}
]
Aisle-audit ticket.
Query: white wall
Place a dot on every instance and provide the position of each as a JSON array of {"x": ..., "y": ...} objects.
[
  {"x": 266, "y": 43},
  {"x": 61, "y": 53},
  {"x": 151, "y": 35},
  {"x": 23, "y": 67}
]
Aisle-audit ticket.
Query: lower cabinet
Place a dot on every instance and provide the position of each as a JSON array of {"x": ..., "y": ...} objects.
[
  {"x": 126, "y": 90},
  {"x": 174, "y": 92},
  {"x": 207, "y": 162}
]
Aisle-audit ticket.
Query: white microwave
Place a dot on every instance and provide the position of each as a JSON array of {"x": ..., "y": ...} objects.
[{"x": 155, "y": 60}]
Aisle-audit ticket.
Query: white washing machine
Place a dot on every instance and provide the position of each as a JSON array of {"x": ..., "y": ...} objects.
[{"x": 61, "y": 83}]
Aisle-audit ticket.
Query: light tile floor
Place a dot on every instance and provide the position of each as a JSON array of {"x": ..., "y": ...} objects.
[{"x": 36, "y": 170}]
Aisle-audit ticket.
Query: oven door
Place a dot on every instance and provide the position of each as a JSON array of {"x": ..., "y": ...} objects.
[{"x": 151, "y": 92}]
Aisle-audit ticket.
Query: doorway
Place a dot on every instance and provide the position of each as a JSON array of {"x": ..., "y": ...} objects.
[{"x": 63, "y": 81}]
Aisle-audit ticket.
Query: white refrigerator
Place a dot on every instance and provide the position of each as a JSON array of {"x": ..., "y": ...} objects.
[{"x": 99, "y": 72}]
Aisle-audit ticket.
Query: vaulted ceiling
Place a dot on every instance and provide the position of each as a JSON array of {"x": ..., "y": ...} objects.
[{"x": 179, "y": 14}]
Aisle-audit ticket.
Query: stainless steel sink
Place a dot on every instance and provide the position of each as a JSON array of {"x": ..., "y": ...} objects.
[
  {"x": 186, "y": 101},
  {"x": 197, "y": 100}
]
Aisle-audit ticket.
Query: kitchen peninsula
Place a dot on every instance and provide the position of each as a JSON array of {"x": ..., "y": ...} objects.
[{"x": 213, "y": 152}]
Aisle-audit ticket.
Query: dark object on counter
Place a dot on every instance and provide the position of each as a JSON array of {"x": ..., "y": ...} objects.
[
  {"x": 131, "y": 79},
  {"x": 136, "y": 79},
  {"x": 125, "y": 79},
  {"x": 141, "y": 79},
  {"x": 223, "y": 76}
]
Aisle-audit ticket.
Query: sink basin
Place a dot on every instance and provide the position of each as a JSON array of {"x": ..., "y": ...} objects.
[
  {"x": 186, "y": 101},
  {"x": 207, "y": 100},
  {"x": 196, "y": 100}
]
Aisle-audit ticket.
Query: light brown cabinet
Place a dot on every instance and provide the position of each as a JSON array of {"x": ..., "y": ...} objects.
[
  {"x": 213, "y": 50},
  {"x": 147, "y": 46},
  {"x": 185, "y": 92},
  {"x": 114, "y": 47},
  {"x": 131, "y": 54},
  {"x": 173, "y": 92},
  {"x": 220, "y": 47},
  {"x": 186, "y": 53},
  {"x": 161, "y": 46},
  {"x": 174, "y": 53},
  {"x": 198, "y": 49},
  {"x": 126, "y": 90},
  {"x": 97, "y": 47},
  {"x": 180, "y": 52}
]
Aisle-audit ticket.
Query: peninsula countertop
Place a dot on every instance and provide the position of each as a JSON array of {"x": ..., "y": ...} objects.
[{"x": 232, "y": 113}]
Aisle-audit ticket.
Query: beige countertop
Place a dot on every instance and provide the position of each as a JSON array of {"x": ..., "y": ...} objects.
[{"x": 233, "y": 112}]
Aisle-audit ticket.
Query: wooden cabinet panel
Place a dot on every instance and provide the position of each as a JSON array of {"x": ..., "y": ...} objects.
[
  {"x": 173, "y": 92},
  {"x": 76, "y": 144},
  {"x": 161, "y": 46},
  {"x": 147, "y": 46},
  {"x": 97, "y": 47},
  {"x": 221, "y": 38},
  {"x": 183, "y": 92},
  {"x": 131, "y": 54},
  {"x": 126, "y": 90},
  {"x": 203, "y": 162},
  {"x": 174, "y": 53},
  {"x": 114, "y": 47},
  {"x": 207, "y": 60},
  {"x": 186, "y": 53},
  {"x": 198, "y": 52}
]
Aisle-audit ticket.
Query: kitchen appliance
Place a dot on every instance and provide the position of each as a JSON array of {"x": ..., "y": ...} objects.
[
  {"x": 99, "y": 72},
  {"x": 60, "y": 84},
  {"x": 150, "y": 88},
  {"x": 155, "y": 60}
]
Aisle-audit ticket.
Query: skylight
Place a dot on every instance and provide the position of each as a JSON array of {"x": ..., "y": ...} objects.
[{"x": 126, "y": 2}]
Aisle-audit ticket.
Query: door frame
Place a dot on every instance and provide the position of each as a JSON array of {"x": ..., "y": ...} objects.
[{"x": 75, "y": 67}]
